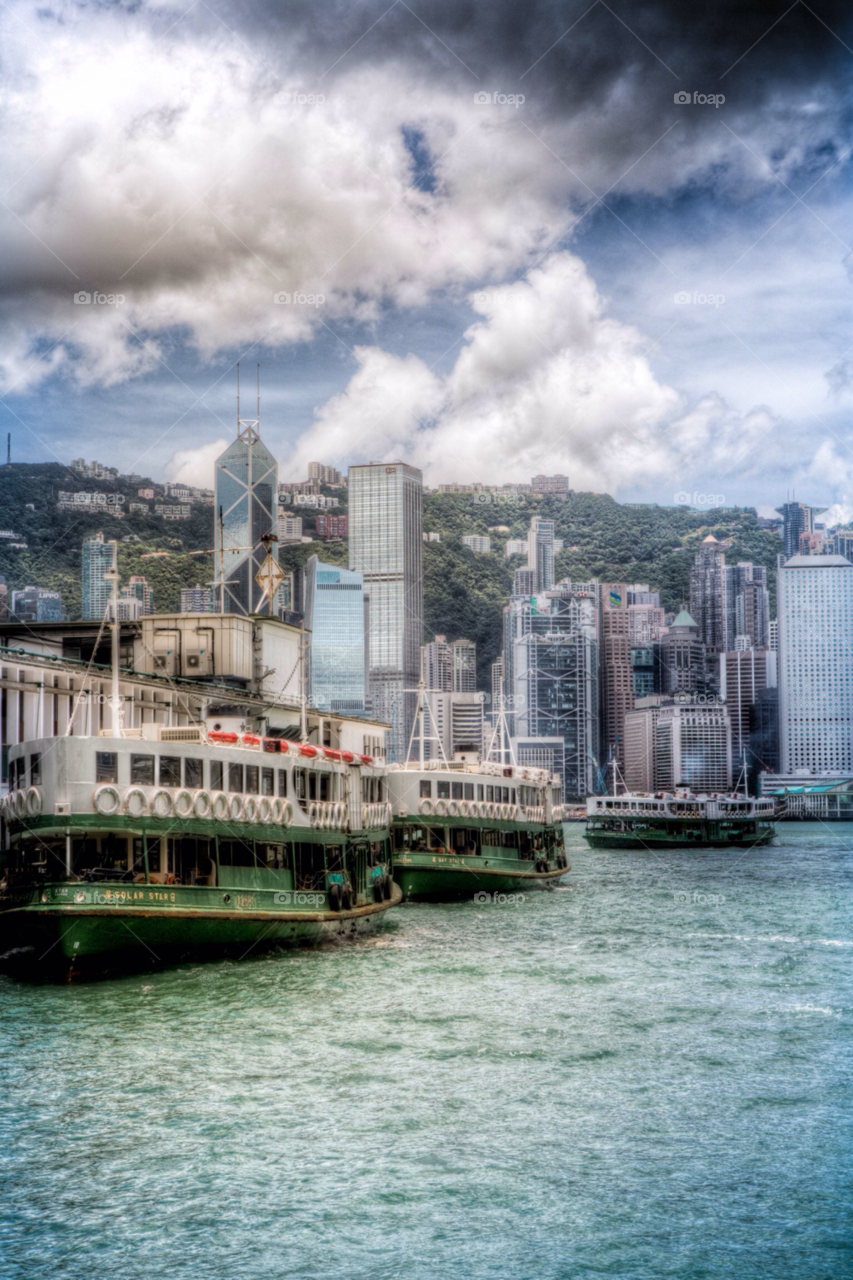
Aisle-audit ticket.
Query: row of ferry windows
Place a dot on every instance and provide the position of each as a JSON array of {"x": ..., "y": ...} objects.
[
  {"x": 249, "y": 779},
  {"x": 465, "y": 791}
]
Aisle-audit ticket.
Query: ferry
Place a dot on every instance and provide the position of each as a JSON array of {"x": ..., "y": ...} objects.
[
  {"x": 472, "y": 828},
  {"x": 145, "y": 845},
  {"x": 678, "y": 820}
]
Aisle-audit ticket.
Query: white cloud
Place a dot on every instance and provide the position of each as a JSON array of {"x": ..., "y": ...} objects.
[{"x": 195, "y": 466}]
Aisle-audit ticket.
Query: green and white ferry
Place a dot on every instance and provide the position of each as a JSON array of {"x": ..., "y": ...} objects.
[{"x": 679, "y": 820}]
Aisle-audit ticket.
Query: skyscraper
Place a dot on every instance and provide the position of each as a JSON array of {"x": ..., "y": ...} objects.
[
  {"x": 463, "y": 663},
  {"x": 137, "y": 588},
  {"x": 744, "y": 676},
  {"x": 617, "y": 676},
  {"x": 748, "y": 606},
  {"x": 683, "y": 667},
  {"x": 246, "y": 497},
  {"x": 438, "y": 669},
  {"x": 540, "y": 552},
  {"x": 815, "y": 599},
  {"x": 97, "y": 560},
  {"x": 693, "y": 748},
  {"x": 37, "y": 604},
  {"x": 709, "y": 596},
  {"x": 386, "y": 546},
  {"x": 196, "y": 599},
  {"x": 335, "y": 615},
  {"x": 797, "y": 518}
]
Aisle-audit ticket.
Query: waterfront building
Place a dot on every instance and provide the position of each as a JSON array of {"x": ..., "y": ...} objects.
[
  {"x": 196, "y": 599},
  {"x": 815, "y": 602},
  {"x": 540, "y": 552},
  {"x": 540, "y": 753},
  {"x": 386, "y": 547},
  {"x": 693, "y": 748},
  {"x": 744, "y": 675},
  {"x": 709, "y": 595},
  {"x": 97, "y": 561},
  {"x": 37, "y": 604},
  {"x": 640, "y": 723},
  {"x": 481, "y": 546},
  {"x": 551, "y": 675},
  {"x": 797, "y": 519},
  {"x": 246, "y": 486},
  {"x": 617, "y": 676},
  {"x": 336, "y": 618},
  {"x": 683, "y": 663},
  {"x": 764, "y": 732}
]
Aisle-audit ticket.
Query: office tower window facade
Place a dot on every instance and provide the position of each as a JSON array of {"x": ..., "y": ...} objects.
[
  {"x": 709, "y": 595},
  {"x": 97, "y": 561},
  {"x": 497, "y": 684},
  {"x": 463, "y": 662},
  {"x": 540, "y": 552},
  {"x": 524, "y": 582},
  {"x": 744, "y": 675},
  {"x": 246, "y": 489},
  {"x": 335, "y": 617},
  {"x": 37, "y": 604},
  {"x": 748, "y": 606},
  {"x": 797, "y": 519},
  {"x": 386, "y": 547},
  {"x": 551, "y": 681},
  {"x": 137, "y": 588},
  {"x": 617, "y": 676},
  {"x": 693, "y": 748},
  {"x": 683, "y": 660},
  {"x": 196, "y": 599},
  {"x": 815, "y": 599},
  {"x": 438, "y": 665}
]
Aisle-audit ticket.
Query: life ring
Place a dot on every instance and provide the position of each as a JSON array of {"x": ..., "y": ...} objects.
[
  {"x": 219, "y": 805},
  {"x": 235, "y": 808},
  {"x": 161, "y": 803},
  {"x": 278, "y": 810},
  {"x": 34, "y": 804},
  {"x": 135, "y": 802},
  {"x": 107, "y": 801},
  {"x": 287, "y": 816},
  {"x": 453, "y": 809},
  {"x": 182, "y": 805},
  {"x": 313, "y": 814},
  {"x": 202, "y": 804},
  {"x": 441, "y": 808},
  {"x": 265, "y": 809},
  {"x": 340, "y": 813},
  {"x": 506, "y": 812},
  {"x": 490, "y": 809},
  {"x": 250, "y": 809}
]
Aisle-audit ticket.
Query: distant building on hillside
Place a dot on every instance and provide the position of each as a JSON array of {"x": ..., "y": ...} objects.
[
  {"x": 97, "y": 561},
  {"x": 137, "y": 588},
  {"x": 797, "y": 519},
  {"x": 37, "y": 604},
  {"x": 480, "y": 545},
  {"x": 558, "y": 485},
  {"x": 332, "y": 526},
  {"x": 196, "y": 599}
]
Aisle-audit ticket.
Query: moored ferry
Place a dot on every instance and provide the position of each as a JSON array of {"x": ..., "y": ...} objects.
[
  {"x": 466, "y": 827},
  {"x": 678, "y": 820},
  {"x": 164, "y": 842}
]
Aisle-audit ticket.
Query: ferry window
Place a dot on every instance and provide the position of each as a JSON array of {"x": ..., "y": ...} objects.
[
  {"x": 443, "y": 790},
  {"x": 469, "y": 791},
  {"x": 252, "y": 779},
  {"x": 505, "y": 795},
  {"x": 490, "y": 793},
  {"x": 282, "y": 783},
  {"x": 380, "y": 789},
  {"x": 299, "y": 784},
  {"x": 479, "y": 791},
  {"x": 323, "y": 780},
  {"x": 170, "y": 771},
  {"x": 142, "y": 771},
  {"x": 193, "y": 772},
  {"x": 456, "y": 790},
  {"x": 236, "y": 853},
  {"x": 426, "y": 789},
  {"x": 35, "y": 769},
  {"x": 512, "y": 793},
  {"x": 267, "y": 782},
  {"x": 106, "y": 766},
  {"x": 4, "y": 764},
  {"x": 312, "y": 784},
  {"x": 216, "y": 775},
  {"x": 235, "y": 778}
]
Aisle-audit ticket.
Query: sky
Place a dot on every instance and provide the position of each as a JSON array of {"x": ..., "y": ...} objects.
[{"x": 609, "y": 240}]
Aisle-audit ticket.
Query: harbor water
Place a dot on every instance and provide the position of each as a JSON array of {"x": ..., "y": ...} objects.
[{"x": 643, "y": 1073}]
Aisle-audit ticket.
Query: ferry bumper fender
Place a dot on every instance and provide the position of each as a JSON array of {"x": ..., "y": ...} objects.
[
  {"x": 182, "y": 805},
  {"x": 265, "y": 809},
  {"x": 135, "y": 802},
  {"x": 278, "y": 811},
  {"x": 235, "y": 808},
  {"x": 441, "y": 808},
  {"x": 34, "y": 802},
  {"x": 161, "y": 803},
  {"x": 287, "y": 817},
  {"x": 219, "y": 805},
  {"x": 453, "y": 809},
  {"x": 107, "y": 801},
  {"x": 313, "y": 814},
  {"x": 250, "y": 809},
  {"x": 202, "y": 804},
  {"x": 426, "y": 808}
]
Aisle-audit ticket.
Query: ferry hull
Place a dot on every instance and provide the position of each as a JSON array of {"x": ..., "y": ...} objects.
[
  {"x": 444, "y": 878},
  {"x": 97, "y": 937},
  {"x": 699, "y": 838}
]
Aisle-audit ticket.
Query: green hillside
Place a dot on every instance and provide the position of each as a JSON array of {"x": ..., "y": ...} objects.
[{"x": 464, "y": 594}]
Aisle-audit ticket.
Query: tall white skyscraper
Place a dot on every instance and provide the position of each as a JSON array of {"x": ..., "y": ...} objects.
[
  {"x": 540, "y": 552},
  {"x": 386, "y": 547},
  {"x": 815, "y": 603},
  {"x": 246, "y": 499}
]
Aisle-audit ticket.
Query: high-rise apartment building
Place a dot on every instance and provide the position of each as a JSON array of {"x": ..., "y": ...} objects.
[
  {"x": 540, "y": 552},
  {"x": 336, "y": 617},
  {"x": 386, "y": 547},
  {"x": 797, "y": 519},
  {"x": 290, "y": 527},
  {"x": 617, "y": 676},
  {"x": 97, "y": 561},
  {"x": 693, "y": 748},
  {"x": 438, "y": 665},
  {"x": 246, "y": 495},
  {"x": 815, "y": 601},
  {"x": 458, "y": 720},
  {"x": 137, "y": 588},
  {"x": 743, "y": 677},
  {"x": 479, "y": 544},
  {"x": 326, "y": 475},
  {"x": 463, "y": 661},
  {"x": 524, "y": 582},
  {"x": 748, "y": 606},
  {"x": 196, "y": 599},
  {"x": 709, "y": 595},
  {"x": 551, "y": 678},
  {"x": 558, "y": 485}
]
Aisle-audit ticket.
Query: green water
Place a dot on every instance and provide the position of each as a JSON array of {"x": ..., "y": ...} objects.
[{"x": 644, "y": 1073}]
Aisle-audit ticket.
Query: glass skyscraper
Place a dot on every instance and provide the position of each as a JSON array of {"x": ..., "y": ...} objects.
[
  {"x": 385, "y": 546},
  {"x": 97, "y": 559},
  {"x": 247, "y": 496},
  {"x": 335, "y": 613}
]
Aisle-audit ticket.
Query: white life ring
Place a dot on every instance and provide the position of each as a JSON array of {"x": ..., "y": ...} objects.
[
  {"x": 161, "y": 803},
  {"x": 182, "y": 805},
  {"x": 514, "y": 814},
  {"x": 107, "y": 801},
  {"x": 235, "y": 808},
  {"x": 490, "y": 809},
  {"x": 287, "y": 815},
  {"x": 506, "y": 812},
  {"x": 20, "y": 802},
  {"x": 135, "y": 802},
  {"x": 265, "y": 809},
  {"x": 441, "y": 808},
  {"x": 313, "y": 814},
  {"x": 219, "y": 805},
  {"x": 202, "y": 804},
  {"x": 453, "y": 809},
  {"x": 33, "y": 802},
  {"x": 250, "y": 809},
  {"x": 338, "y": 814},
  {"x": 365, "y": 815},
  {"x": 426, "y": 808},
  {"x": 278, "y": 810},
  {"x": 466, "y": 810}
]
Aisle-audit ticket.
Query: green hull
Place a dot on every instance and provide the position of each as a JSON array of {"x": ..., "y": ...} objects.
[
  {"x": 429, "y": 877},
  {"x": 698, "y": 836},
  {"x": 119, "y": 926}
]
